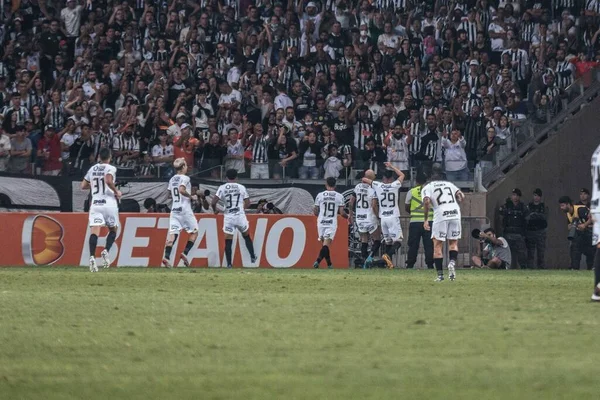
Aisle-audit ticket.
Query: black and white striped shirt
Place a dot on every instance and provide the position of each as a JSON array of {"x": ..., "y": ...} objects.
[
  {"x": 361, "y": 129},
  {"x": 519, "y": 56},
  {"x": 564, "y": 73},
  {"x": 470, "y": 28},
  {"x": 125, "y": 143},
  {"x": 259, "y": 150},
  {"x": 22, "y": 114},
  {"x": 416, "y": 129},
  {"x": 57, "y": 116}
]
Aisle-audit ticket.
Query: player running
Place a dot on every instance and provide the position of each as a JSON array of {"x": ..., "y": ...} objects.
[
  {"x": 386, "y": 203},
  {"x": 366, "y": 220},
  {"x": 236, "y": 200},
  {"x": 328, "y": 205},
  {"x": 104, "y": 208},
  {"x": 182, "y": 216},
  {"x": 595, "y": 210},
  {"x": 444, "y": 197}
]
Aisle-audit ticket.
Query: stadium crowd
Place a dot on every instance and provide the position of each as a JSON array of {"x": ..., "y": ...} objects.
[{"x": 302, "y": 89}]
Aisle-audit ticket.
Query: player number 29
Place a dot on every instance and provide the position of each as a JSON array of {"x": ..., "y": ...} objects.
[{"x": 388, "y": 199}]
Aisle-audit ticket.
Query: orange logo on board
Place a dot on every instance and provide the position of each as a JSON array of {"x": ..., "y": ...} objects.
[{"x": 42, "y": 240}]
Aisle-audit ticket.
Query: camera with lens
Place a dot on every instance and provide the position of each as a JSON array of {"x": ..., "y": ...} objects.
[{"x": 572, "y": 232}]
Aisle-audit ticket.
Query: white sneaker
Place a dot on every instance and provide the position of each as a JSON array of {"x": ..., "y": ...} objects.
[
  {"x": 166, "y": 263},
  {"x": 93, "y": 267},
  {"x": 451, "y": 271},
  {"x": 595, "y": 297},
  {"x": 440, "y": 278},
  {"x": 186, "y": 262},
  {"x": 105, "y": 259}
]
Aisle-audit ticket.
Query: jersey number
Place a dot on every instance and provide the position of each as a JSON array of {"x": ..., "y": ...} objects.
[
  {"x": 448, "y": 195},
  {"x": 229, "y": 201},
  {"x": 97, "y": 183},
  {"x": 362, "y": 201},
  {"x": 388, "y": 200},
  {"x": 329, "y": 210},
  {"x": 176, "y": 195}
]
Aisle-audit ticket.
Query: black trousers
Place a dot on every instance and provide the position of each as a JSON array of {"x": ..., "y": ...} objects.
[
  {"x": 416, "y": 232},
  {"x": 582, "y": 245}
]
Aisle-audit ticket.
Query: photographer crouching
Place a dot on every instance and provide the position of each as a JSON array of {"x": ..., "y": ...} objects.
[
  {"x": 266, "y": 207},
  {"x": 495, "y": 252},
  {"x": 580, "y": 232},
  {"x": 200, "y": 206}
]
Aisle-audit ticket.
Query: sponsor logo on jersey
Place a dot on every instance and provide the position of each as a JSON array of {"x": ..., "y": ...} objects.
[
  {"x": 99, "y": 202},
  {"x": 451, "y": 213},
  {"x": 177, "y": 209},
  {"x": 385, "y": 213},
  {"x": 326, "y": 222},
  {"x": 361, "y": 216},
  {"x": 235, "y": 209}
]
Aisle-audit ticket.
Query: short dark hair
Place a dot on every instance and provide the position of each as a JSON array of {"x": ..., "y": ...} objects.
[
  {"x": 421, "y": 178},
  {"x": 565, "y": 200},
  {"x": 231, "y": 174},
  {"x": 388, "y": 174},
  {"x": 489, "y": 230},
  {"x": 104, "y": 154},
  {"x": 331, "y": 181}
]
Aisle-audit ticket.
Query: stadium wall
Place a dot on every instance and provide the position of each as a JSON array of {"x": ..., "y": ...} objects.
[{"x": 559, "y": 166}]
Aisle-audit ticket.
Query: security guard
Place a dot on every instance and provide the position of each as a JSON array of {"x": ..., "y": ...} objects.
[
  {"x": 416, "y": 232},
  {"x": 514, "y": 214},
  {"x": 537, "y": 222}
]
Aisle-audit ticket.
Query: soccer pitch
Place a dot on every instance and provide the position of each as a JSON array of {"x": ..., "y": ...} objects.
[{"x": 296, "y": 334}]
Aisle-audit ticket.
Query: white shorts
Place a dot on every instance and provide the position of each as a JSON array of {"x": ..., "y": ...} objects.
[
  {"x": 367, "y": 225},
  {"x": 231, "y": 223},
  {"x": 391, "y": 229},
  {"x": 326, "y": 231},
  {"x": 596, "y": 229},
  {"x": 104, "y": 216},
  {"x": 182, "y": 221},
  {"x": 443, "y": 230}
]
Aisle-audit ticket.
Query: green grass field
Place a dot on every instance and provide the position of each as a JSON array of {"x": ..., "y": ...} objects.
[{"x": 296, "y": 334}]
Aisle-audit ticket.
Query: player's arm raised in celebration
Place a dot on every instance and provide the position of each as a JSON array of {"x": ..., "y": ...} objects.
[{"x": 396, "y": 170}]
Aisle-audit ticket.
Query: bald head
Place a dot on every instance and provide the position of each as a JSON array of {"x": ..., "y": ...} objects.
[{"x": 369, "y": 174}]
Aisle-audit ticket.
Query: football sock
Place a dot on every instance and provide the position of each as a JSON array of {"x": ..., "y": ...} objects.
[
  {"x": 188, "y": 247},
  {"x": 327, "y": 258},
  {"x": 392, "y": 248},
  {"x": 249, "y": 245},
  {"x": 364, "y": 250},
  {"x": 228, "y": 244},
  {"x": 168, "y": 252},
  {"x": 453, "y": 256},
  {"x": 397, "y": 245},
  {"x": 323, "y": 253},
  {"x": 375, "y": 248},
  {"x": 597, "y": 268},
  {"x": 438, "y": 266},
  {"x": 110, "y": 240},
  {"x": 93, "y": 242}
]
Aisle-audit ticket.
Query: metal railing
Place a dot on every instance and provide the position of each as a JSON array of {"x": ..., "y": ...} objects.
[
  {"x": 529, "y": 133},
  {"x": 467, "y": 246}
]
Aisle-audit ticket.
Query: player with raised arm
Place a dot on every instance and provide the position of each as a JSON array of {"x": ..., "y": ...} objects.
[
  {"x": 444, "y": 197},
  {"x": 386, "y": 203},
  {"x": 595, "y": 211},
  {"x": 236, "y": 201},
  {"x": 328, "y": 205},
  {"x": 104, "y": 207},
  {"x": 182, "y": 216},
  {"x": 366, "y": 220}
]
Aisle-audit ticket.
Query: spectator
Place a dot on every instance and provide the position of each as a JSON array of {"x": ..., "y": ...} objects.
[
  {"x": 397, "y": 144},
  {"x": 309, "y": 151},
  {"x": 49, "y": 152},
  {"x": 537, "y": 223},
  {"x": 514, "y": 219},
  {"x": 584, "y": 198},
  {"x": 162, "y": 154},
  {"x": 486, "y": 151},
  {"x": 235, "y": 151},
  {"x": 455, "y": 157},
  {"x": 580, "y": 232},
  {"x": 282, "y": 153},
  {"x": 332, "y": 165},
  {"x": 4, "y": 150},
  {"x": 185, "y": 145},
  {"x": 20, "y": 152},
  {"x": 259, "y": 148}
]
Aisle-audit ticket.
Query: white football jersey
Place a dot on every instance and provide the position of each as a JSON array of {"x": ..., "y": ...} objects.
[
  {"x": 329, "y": 202},
  {"x": 595, "y": 206},
  {"x": 364, "y": 195},
  {"x": 233, "y": 195},
  {"x": 181, "y": 204},
  {"x": 102, "y": 195},
  {"x": 387, "y": 195},
  {"x": 442, "y": 196}
]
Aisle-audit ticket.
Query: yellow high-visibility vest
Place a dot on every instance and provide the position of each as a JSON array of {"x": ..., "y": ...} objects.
[{"x": 417, "y": 213}]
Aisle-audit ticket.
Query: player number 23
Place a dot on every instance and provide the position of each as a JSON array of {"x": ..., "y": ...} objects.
[{"x": 446, "y": 194}]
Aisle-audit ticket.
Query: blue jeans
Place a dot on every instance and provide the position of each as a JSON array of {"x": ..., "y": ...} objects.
[
  {"x": 309, "y": 172},
  {"x": 458, "y": 176}
]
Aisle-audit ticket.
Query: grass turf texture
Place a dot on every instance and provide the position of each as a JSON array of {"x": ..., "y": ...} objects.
[{"x": 296, "y": 334}]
